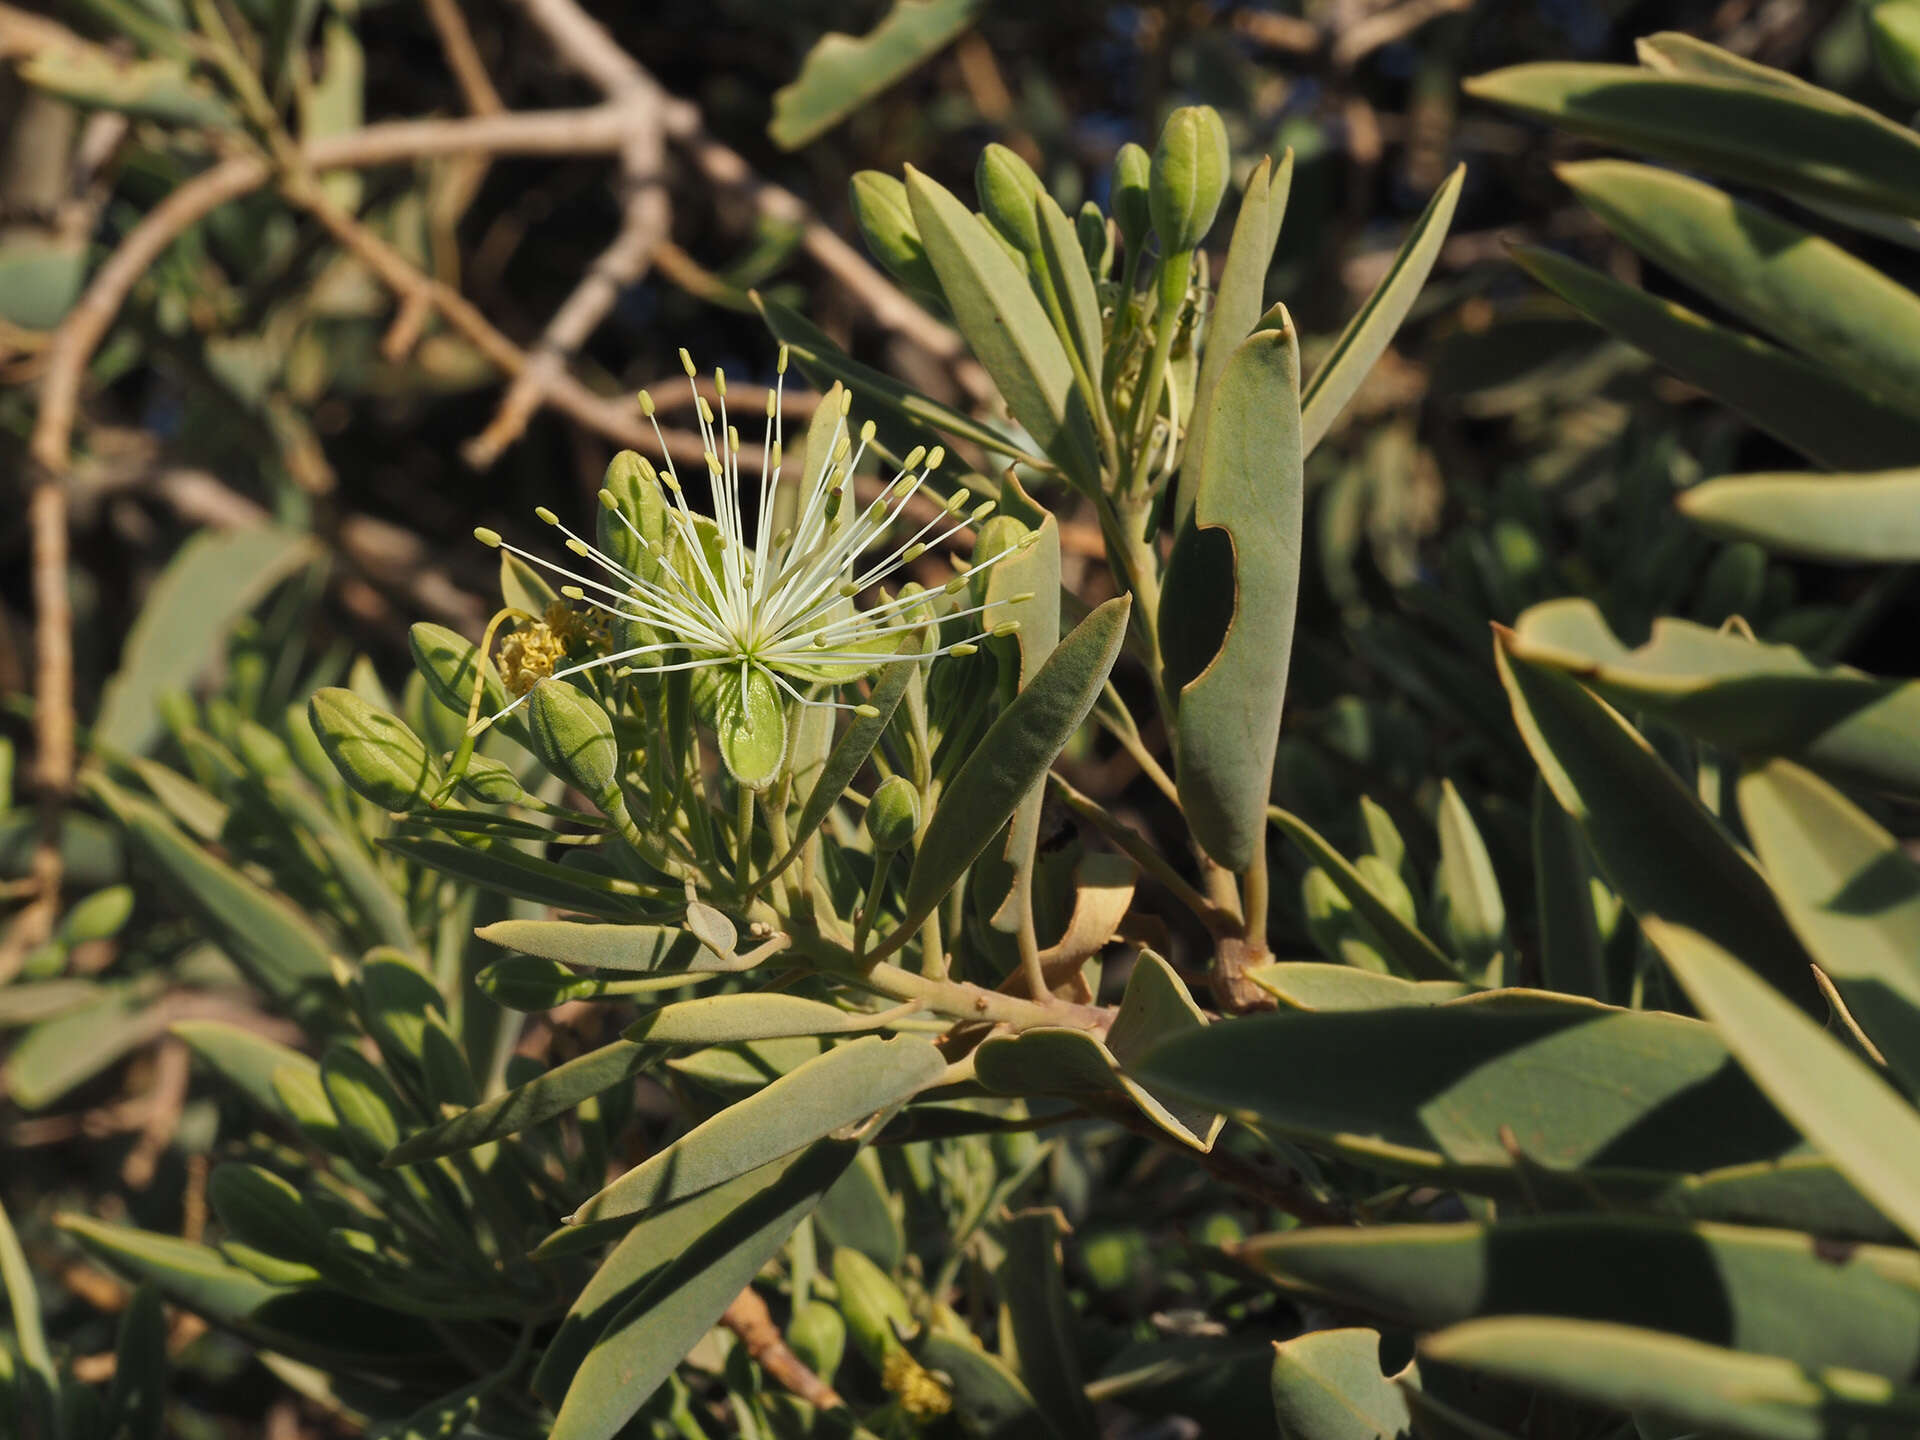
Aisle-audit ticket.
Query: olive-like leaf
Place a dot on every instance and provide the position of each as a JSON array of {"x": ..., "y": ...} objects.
[{"x": 1227, "y": 612}]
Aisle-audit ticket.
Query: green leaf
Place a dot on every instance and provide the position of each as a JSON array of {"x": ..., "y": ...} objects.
[
  {"x": 1006, "y": 327},
  {"x": 137, "y": 1403},
  {"x": 732, "y": 1019},
  {"x": 1465, "y": 891},
  {"x": 40, "y": 280},
  {"x": 317, "y": 1325},
  {"x": 655, "y": 1240},
  {"x": 1407, "y": 948},
  {"x": 41, "y": 1381},
  {"x": 1852, "y": 896},
  {"x": 1841, "y": 519},
  {"x": 839, "y": 1088},
  {"x": 445, "y": 661},
  {"x": 1226, "y": 614},
  {"x": 1770, "y": 1291},
  {"x": 1800, "y": 404},
  {"x": 1310, "y": 985},
  {"x": 1327, "y": 1385},
  {"x": 841, "y": 73},
  {"x": 91, "y": 76},
  {"x": 59, "y": 1054},
  {"x": 1072, "y": 282},
  {"x": 1759, "y": 134},
  {"x": 214, "y": 579},
  {"x": 988, "y": 1398},
  {"x": 1805, "y": 291},
  {"x": 1694, "y": 1386},
  {"x": 642, "y": 1344},
  {"x": 1637, "y": 1098},
  {"x": 1013, "y": 757},
  {"x": 1238, "y": 303},
  {"x": 1747, "y": 697},
  {"x": 824, "y": 362},
  {"x": 1572, "y": 957},
  {"x": 270, "y": 940},
  {"x": 245, "y": 1059},
  {"x": 499, "y": 867},
  {"x": 1038, "y": 1328},
  {"x": 1855, "y": 1118},
  {"x": 1048, "y": 1060},
  {"x": 637, "y": 949},
  {"x": 1371, "y": 330},
  {"x": 1660, "y": 850},
  {"x": 541, "y": 1098}
]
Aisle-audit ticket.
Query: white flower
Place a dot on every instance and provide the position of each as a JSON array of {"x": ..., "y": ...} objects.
[{"x": 785, "y": 604}]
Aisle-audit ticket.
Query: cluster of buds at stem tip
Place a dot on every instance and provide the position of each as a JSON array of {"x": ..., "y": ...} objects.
[{"x": 783, "y": 601}]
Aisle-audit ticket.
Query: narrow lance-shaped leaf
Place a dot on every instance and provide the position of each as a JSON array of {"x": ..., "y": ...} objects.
[
  {"x": 1865, "y": 1126},
  {"x": 1238, "y": 302},
  {"x": 1802, "y": 405},
  {"x": 1802, "y": 289},
  {"x": 843, "y": 72},
  {"x": 1013, "y": 757},
  {"x": 1695, "y": 1387},
  {"x": 1369, "y": 332},
  {"x": 845, "y": 1085},
  {"x": 1007, "y": 328},
  {"x": 1852, "y": 895},
  {"x": 1841, "y": 519},
  {"x": 1760, "y": 134},
  {"x": 1658, "y": 847},
  {"x": 1227, "y": 611}
]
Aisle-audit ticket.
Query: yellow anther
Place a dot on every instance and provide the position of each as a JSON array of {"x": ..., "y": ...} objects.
[
  {"x": 646, "y": 408},
  {"x": 489, "y": 538},
  {"x": 546, "y": 515},
  {"x": 686, "y": 363}
]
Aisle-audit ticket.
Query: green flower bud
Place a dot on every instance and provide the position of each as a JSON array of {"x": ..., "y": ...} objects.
[
  {"x": 492, "y": 783},
  {"x": 1131, "y": 211},
  {"x": 893, "y": 815},
  {"x": 627, "y": 492},
  {"x": 885, "y": 219},
  {"x": 818, "y": 1336},
  {"x": 1096, "y": 240},
  {"x": 573, "y": 737},
  {"x": 876, "y": 1311},
  {"x": 1894, "y": 29},
  {"x": 445, "y": 660},
  {"x": 1008, "y": 191},
  {"x": 1189, "y": 178},
  {"x": 375, "y": 753},
  {"x": 98, "y": 917}
]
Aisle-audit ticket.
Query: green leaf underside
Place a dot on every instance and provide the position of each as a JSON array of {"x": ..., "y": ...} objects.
[
  {"x": 1750, "y": 698},
  {"x": 1238, "y": 561},
  {"x": 1693, "y": 1386},
  {"x": 1853, "y": 1116},
  {"x": 1658, "y": 847},
  {"x": 843, "y": 72},
  {"x": 839, "y": 1088},
  {"x": 1770, "y": 1291},
  {"x": 1013, "y": 757},
  {"x": 1760, "y": 134},
  {"x": 1798, "y": 403},
  {"x": 1841, "y": 519}
]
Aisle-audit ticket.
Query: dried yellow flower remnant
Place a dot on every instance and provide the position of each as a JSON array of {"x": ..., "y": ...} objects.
[
  {"x": 921, "y": 1395},
  {"x": 532, "y": 653}
]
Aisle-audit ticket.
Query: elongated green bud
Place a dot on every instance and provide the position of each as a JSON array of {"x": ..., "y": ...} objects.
[
  {"x": 893, "y": 815},
  {"x": 1008, "y": 191},
  {"x": 885, "y": 219},
  {"x": 1188, "y": 178},
  {"x": 1096, "y": 240},
  {"x": 1132, "y": 212},
  {"x": 573, "y": 737},
  {"x": 876, "y": 1311},
  {"x": 492, "y": 783},
  {"x": 375, "y": 753},
  {"x": 818, "y": 1336}
]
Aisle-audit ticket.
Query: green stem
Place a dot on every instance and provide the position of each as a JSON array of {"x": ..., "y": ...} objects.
[
  {"x": 1138, "y": 849},
  {"x": 863, "y": 922},
  {"x": 743, "y": 837}
]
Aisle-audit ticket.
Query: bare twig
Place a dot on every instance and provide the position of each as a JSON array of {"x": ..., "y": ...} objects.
[
  {"x": 1381, "y": 29},
  {"x": 749, "y": 1318}
]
